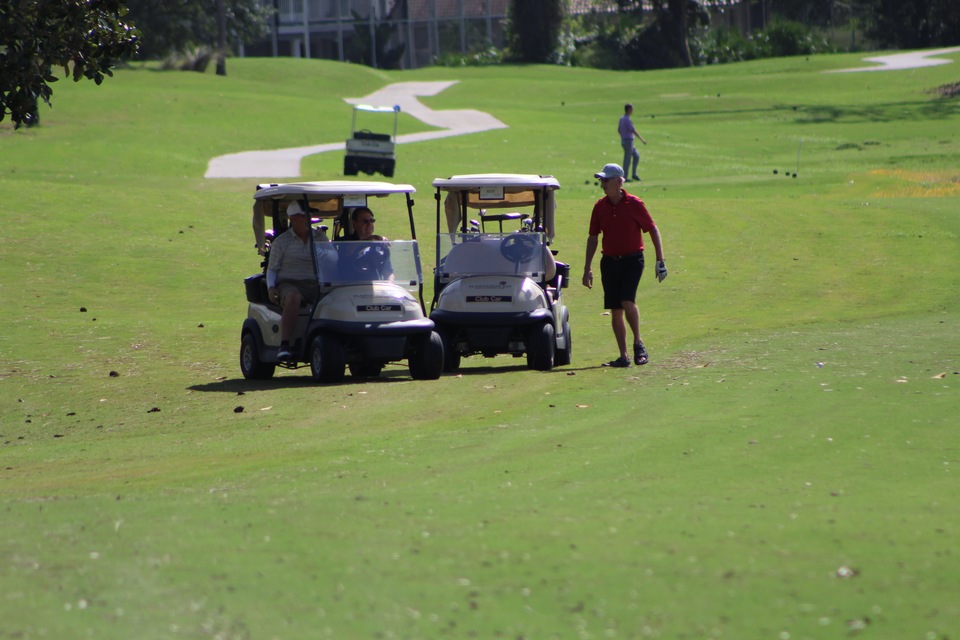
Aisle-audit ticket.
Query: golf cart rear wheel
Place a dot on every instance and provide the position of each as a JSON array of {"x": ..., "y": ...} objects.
[
  {"x": 451, "y": 359},
  {"x": 327, "y": 359},
  {"x": 426, "y": 361},
  {"x": 540, "y": 347},
  {"x": 251, "y": 365},
  {"x": 564, "y": 355}
]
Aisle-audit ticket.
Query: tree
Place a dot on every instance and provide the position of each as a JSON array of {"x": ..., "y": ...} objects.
[
  {"x": 380, "y": 55},
  {"x": 533, "y": 29},
  {"x": 37, "y": 35},
  {"x": 664, "y": 41},
  {"x": 820, "y": 13},
  {"x": 912, "y": 25},
  {"x": 176, "y": 26},
  {"x": 652, "y": 34},
  {"x": 674, "y": 20}
]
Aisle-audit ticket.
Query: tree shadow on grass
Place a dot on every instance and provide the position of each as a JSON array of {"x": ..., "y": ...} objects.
[
  {"x": 242, "y": 385},
  {"x": 516, "y": 368},
  {"x": 930, "y": 109},
  {"x": 892, "y": 112}
]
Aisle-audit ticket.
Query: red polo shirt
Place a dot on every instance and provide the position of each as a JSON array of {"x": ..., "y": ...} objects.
[{"x": 622, "y": 224}]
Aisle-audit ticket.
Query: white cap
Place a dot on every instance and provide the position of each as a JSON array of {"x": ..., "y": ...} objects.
[
  {"x": 294, "y": 209},
  {"x": 610, "y": 171}
]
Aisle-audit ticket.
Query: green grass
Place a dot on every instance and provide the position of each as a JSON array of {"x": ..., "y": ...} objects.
[{"x": 731, "y": 488}]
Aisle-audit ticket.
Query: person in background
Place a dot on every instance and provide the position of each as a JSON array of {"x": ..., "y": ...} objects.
[
  {"x": 627, "y": 134},
  {"x": 622, "y": 219}
]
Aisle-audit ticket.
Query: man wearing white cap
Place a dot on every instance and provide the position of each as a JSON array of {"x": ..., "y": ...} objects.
[
  {"x": 622, "y": 218},
  {"x": 291, "y": 278}
]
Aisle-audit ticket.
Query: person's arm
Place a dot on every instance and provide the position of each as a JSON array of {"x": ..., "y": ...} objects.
[
  {"x": 657, "y": 243},
  {"x": 592, "y": 242},
  {"x": 637, "y": 133},
  {"x": 661, "y": 267},
  {"x": 273, "y": 270}
]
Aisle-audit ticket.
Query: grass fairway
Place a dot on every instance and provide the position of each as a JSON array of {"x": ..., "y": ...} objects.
[{"x": 784, "y": 468}]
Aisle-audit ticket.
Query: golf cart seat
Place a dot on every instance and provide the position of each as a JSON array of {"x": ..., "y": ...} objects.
[
  {"x": 366, "y": 134},
  {"x": 560, "y": 280},
  {"x": 500, "y": 218}
]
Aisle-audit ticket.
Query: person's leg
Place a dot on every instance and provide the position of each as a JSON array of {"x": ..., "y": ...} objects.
[
  {"x": 619, "y": 331},
  {"x": 636, "y": 163},
  {"x": 627, "y": 155},
  {"x": 632, "y": 273},
  {"x": 631, "y": 313},
  {"x": 288, "y": 318},
  {"x": 610, "y": 279}
]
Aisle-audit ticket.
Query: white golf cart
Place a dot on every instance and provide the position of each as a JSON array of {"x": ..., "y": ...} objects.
[
  {"x": 370, "y": 152},
  {"x": 497, "y": 286},
  {"x": 370, "y": 308}
]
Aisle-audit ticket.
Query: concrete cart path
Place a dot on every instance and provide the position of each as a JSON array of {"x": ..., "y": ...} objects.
[
  {"x": 285, "y": 163},
  {"x": 909, "y": 60}
]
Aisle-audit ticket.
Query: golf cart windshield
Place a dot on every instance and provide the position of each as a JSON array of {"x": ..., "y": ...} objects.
[
  {"x": 356, "y": 262},
  {"x": 499, "y": 254}
]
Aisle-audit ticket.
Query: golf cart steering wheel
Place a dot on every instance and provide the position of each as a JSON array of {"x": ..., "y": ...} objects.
[
  {"x": 369, "y": 261},
  {"x": 519, "y": 247}
]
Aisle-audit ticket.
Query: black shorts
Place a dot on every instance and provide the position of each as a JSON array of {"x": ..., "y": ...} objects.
[{"x": 620, "y": 277}]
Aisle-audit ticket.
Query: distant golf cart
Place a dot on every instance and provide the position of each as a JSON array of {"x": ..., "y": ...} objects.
[
  {"x": 497, "y": 286},
  {"x": 370, "y": 309},
  {"x": 369, "y": 152}
]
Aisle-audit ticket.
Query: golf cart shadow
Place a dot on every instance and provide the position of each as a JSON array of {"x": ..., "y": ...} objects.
[{"x": 238, "y": 385}]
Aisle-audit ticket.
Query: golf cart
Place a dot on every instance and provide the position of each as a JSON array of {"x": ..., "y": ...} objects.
[
  {"x": 370, "y": 308},
  {"x": 371, "y": 152},
  {"x": 497, "y": 286}
]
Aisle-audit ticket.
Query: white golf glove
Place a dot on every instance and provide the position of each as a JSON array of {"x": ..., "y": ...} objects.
[{"x": 661, "y": 271}]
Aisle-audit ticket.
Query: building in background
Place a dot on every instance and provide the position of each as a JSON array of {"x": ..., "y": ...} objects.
[{"x": 426, "y": 30}]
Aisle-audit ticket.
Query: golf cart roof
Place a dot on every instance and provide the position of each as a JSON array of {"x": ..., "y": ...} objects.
[
  {"x": 369, "y": 107},
  {"x": 487, "y": 191},
  {"x": 329, "y": 189},
  {"x": 326, "y": 199},
  {"x": 510, "y": 181}
]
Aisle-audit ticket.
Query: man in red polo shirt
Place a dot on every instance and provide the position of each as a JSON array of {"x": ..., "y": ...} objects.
[{"x": 622, "y": 219}]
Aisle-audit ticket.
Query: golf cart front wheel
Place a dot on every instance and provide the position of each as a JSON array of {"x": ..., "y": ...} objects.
[
  {"x": 540, "y": 347},
  {"x": 252, "y": 367},
  {"x": 327, "y": 359}
]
